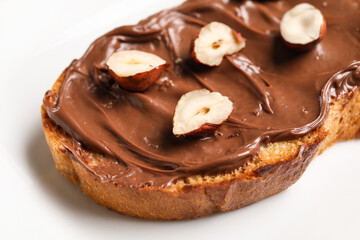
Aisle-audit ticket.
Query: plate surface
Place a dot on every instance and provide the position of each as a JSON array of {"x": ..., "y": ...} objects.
[{"x": 38, "y": 40}]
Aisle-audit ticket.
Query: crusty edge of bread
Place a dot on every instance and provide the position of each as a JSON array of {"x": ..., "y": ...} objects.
[{"x": 278, "y": 166}]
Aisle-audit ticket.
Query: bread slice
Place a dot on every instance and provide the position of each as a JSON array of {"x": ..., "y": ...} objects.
[{"x": 278, "y": 166}]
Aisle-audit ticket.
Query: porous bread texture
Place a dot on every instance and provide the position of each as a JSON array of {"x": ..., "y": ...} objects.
[{"x": 277, "y": 167}]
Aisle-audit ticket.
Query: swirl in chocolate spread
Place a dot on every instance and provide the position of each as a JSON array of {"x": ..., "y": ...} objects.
[{"x": 278, "y": 94}]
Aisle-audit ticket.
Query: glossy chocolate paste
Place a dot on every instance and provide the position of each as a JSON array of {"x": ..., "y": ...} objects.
[{"x": 278, "y": 93}]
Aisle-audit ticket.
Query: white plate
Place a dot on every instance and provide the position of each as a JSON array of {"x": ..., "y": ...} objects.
[{"x": 38, "y": 39}]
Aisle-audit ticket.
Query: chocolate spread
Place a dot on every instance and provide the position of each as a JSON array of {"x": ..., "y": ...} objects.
[{"x": 278, "y": 93}]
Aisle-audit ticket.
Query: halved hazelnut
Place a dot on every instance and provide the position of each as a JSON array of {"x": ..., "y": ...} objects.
[
  {"x": 135, "y": 70},
  {"x": 302, "y": 26},
  {"x": 214, "y": 41},
  {"x": 200, "y": 113}
]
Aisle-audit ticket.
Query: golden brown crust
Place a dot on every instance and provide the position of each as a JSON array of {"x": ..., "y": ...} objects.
[{"x": 278, "y": 166}]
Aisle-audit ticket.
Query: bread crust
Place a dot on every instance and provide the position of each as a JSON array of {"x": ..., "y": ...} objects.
[{"x": 278, "y": 166}]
